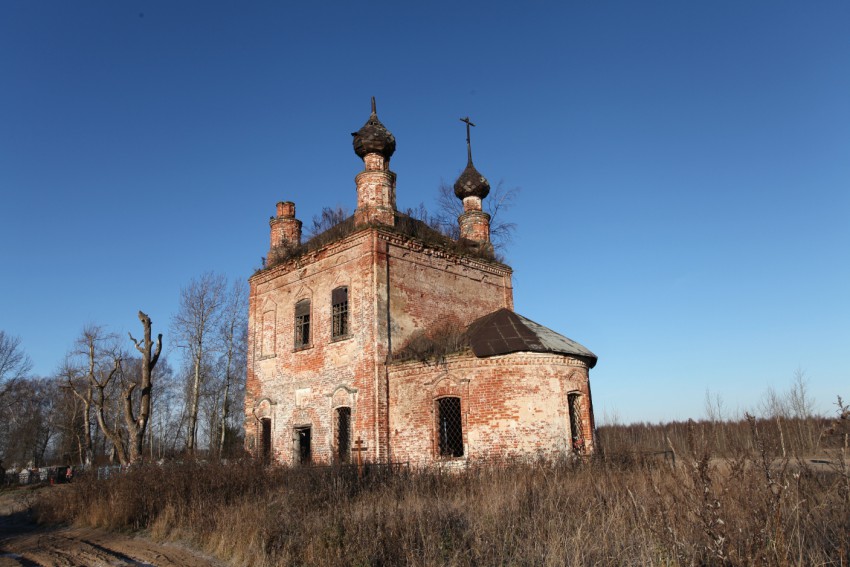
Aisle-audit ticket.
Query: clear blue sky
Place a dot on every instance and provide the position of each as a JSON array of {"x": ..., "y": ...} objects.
[{"x": 685, "y": 167}]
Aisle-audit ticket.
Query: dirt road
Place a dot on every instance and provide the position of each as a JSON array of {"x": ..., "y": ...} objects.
[{"x": 22, "y": 542}]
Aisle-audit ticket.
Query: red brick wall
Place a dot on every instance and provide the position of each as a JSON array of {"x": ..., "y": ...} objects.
[
  {"x": 513, "y": 406},
  {"x": 303, "y": 386},
  {"x": 429, "y": 287}
]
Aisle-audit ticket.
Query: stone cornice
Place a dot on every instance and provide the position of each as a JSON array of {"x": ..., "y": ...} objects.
[
  {"x": 416, "y": 245},
  {"x": 307, "y": 258},
  {"x": 467, "y": 361},
  {"x": 394, "y": 238}
]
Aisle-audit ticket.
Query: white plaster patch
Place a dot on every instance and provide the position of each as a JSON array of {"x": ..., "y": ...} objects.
[{"x": 301, "y": 397}]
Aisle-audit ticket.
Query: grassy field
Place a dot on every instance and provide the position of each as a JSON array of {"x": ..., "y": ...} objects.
[{"x": 732, "y": 498}]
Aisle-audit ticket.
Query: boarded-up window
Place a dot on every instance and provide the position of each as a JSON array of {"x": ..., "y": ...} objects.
[
  {"x": 450, "y": 427},
  {"x": 339, "y": 302},
  {"x": 343, "y": 434},
  {"x": 302, "y": 323}
]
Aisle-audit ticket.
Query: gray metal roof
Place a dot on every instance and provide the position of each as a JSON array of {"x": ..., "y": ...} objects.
[{"x": 504, "y": 332}]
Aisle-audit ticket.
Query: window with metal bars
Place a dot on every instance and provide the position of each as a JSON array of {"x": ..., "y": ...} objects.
[
  {"x": 450, "y": 426},
  {"x": 574, "y": 404},
  {"x": 343, "y": 434},
  {"x": 339, "y": 302},
  {"x": 302, "y": 323}
]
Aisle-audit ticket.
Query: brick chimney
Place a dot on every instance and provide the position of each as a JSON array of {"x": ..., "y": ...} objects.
[
  {"x": 285, "y": 228},
  {"x": 376, "y": 183}
]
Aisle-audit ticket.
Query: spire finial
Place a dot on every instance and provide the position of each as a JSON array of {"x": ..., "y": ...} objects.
[
  {"x": 468, "y": 143},
  {"x": 374, "y": 111}
]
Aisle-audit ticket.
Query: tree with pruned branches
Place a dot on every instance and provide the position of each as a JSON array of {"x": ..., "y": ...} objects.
[
  {"x": 137, "y": 414},
  {"x": 115, "y": 389}
]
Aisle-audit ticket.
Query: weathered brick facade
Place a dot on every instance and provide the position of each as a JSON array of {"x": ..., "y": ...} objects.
[
  {"x": 513, "y": 405},
  {"x": 328, "y": 318}
]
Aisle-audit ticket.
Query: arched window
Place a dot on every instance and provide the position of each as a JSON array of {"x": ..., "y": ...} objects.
[
  {"x": 302, "y": 323},
  {"x": 339, "y": 309},
  {"x": 450, "y": 427},
  {"x": 343, "y": 434}
]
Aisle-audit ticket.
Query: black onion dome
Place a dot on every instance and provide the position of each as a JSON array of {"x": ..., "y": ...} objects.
[
  {"x": 373, "y": 137},
  {"x": 471, "y": 183}
]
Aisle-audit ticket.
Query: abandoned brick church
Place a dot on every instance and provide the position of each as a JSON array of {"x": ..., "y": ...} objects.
[{"x": 384, "y": 339}]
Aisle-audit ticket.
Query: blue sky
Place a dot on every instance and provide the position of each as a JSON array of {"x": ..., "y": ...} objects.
[{"x": 684, "y": 173}]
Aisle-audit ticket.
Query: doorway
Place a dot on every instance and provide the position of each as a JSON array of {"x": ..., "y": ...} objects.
[
  {"x": 303, "y": 442},
  {"x": 266, "y": 440}
]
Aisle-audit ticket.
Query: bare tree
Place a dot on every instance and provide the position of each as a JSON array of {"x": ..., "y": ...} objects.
[
  {"x": 233, "y": 335},
  {"x": 162, "y": 424},
  {"x": 69, "y": 419},
  {"x": 101, "y": 367},
  {"x": 116, "y": 387},
  {"x": 27, "y": 421},
  {"x": 197, "y": 319},
  {"x": 78, "y": 382},
  {"x": 500, "y": 200},
  {"x": 14, "y": 362}
]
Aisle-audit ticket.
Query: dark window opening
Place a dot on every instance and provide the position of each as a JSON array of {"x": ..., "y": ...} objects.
[
  {"x": 339, "y": 301},
  {"x": 450, "y": 427},
  {"x": 266, "y": 440},
  {"x": 302, "y": 323},
  {"x": 303, "y": 440},
  {"x": 574, "y": 405},
  {"x": 343, "y": 434}
]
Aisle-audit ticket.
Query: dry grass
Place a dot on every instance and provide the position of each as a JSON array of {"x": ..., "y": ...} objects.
[{"x": 746, "y": 509}]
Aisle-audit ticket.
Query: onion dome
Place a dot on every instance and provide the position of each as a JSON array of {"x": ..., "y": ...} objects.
[
  {"x": 373, "y": 137},
  {"x": 471, "y": 183}
]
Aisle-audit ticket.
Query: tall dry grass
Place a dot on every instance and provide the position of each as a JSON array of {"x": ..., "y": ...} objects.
[{"x": 752, "y": 507}]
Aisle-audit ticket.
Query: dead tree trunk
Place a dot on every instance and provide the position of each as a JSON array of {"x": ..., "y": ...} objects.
[{"x": 137, "y": 424}]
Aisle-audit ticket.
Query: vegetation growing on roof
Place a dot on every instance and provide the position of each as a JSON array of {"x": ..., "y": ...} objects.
[
  {"x": 333, "y": 225},
  {"x": 434, "y": 344}
]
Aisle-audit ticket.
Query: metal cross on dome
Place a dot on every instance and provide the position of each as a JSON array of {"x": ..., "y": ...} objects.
[{"x": 468, "y": 143}]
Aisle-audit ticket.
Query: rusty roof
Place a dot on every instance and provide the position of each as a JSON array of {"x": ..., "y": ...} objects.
[{"x": 504, "y": 332}]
